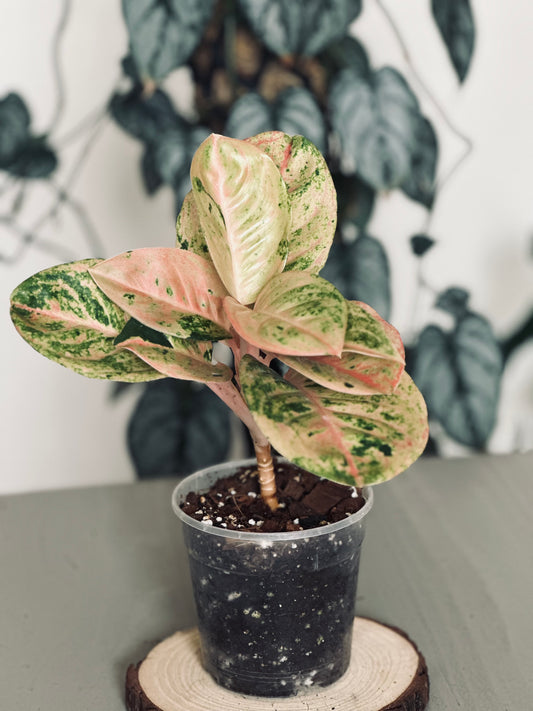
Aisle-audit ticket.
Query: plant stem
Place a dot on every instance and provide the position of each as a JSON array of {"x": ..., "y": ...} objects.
[
  {"x": 229, "y": 394},
  {"x": 267, "y": 479}
]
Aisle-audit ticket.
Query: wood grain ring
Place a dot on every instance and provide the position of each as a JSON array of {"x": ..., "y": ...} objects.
[{"x": 386, "y": 673}]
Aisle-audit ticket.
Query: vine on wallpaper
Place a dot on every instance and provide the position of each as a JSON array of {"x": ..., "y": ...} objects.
[{"x": 295, "y": 66}]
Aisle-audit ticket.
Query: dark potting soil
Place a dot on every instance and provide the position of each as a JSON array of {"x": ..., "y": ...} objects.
[{"x": 306, "y": 501}]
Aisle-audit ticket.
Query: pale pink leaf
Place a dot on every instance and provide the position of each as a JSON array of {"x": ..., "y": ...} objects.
[
  {"x": 185, "y": 360},
  {"x": 189, "y": 233},
  {"x": 312, "y": 197},
  {"x": 170, "y": 290},
  {"x": 351, "y": 373},
  {"x": 369, "y": 334},
  {"x": 297, "y": 313},
  {"x": 352, "y": 439},
  {"x": 244, "y": 213}
]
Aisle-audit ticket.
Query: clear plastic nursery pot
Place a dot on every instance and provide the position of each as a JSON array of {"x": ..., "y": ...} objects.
[{"x": 275, "y": 610}]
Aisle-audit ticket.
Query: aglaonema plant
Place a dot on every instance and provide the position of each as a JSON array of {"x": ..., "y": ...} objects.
[{"x": 252, "y": 236}]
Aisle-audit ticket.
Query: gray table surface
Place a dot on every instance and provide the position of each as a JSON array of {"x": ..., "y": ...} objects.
[{"x": 92, "y": 578}]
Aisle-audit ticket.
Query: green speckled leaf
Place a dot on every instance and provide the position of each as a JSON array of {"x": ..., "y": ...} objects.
[
  {"x": 369, "y": 334},
  {"x": 352, "y": 373},
  {"x": 372, "y": 361},
  {"x": 351, "y": 439},
  {"x": 189, "y": 232},
  {"x": 244, "y": 212},
  {"x": 186, "y": 360},
  {"x": 296, "y": 314},
  {"x": 170, "y": 290},
  {"x": 63, "y": 315},
  {"x": 312, "y": 197}
]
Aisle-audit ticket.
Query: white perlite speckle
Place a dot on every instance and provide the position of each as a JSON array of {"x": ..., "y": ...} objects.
[
  {"x": 354, "y": 493},
  {"x": 234, "y": 596},
  {"x": 252, "y": 494},
  {"x": 252, "y": 521},
  {"x": 256, "y": 614}
]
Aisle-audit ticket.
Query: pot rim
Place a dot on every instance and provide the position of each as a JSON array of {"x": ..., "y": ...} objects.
[{"x": 186, "y": 485}]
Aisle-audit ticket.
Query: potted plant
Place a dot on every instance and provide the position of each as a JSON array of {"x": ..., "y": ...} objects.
[{"x": 319, "y": 378}]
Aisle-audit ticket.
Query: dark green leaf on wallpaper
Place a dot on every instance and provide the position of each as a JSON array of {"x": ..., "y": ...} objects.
[
  {"x": 35, "y": 159},
  {"x": 152, "y": 180},
  {"x": 300, "y": 26},
  {"x": 420, "y": 182},
  {"x": 420, "y": 244},
  {"x": 134, "y": 329},
  {"x": 22, "y": 154},
  {"x": 248, "y": 116},
  {"x": 144, "y": 117},
  {"x": 297, "y": 113},
  {"x": 347, "y": 53},
  {"x": 456, "y": 25},
  {"x": 454, "y": 300},
  {"x": 177, "y": 427},
  {"x": 376, "y": 120},
  {"x": 130, "y": 69},
  {"x": 171, "y": 154},
  {"x": 355, "y": 199},
  {"x": 360, "y": 270},
  {"x": 294, "y": 112},
  {"x": 14, "y": 126},
  {"x": 164, "y": 33},
  {"x": 459, "y": 374},
  {"x": 182, "y": 185}
]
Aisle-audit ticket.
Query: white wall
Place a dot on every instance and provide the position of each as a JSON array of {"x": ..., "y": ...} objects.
[{"x": 58, "y": 429}]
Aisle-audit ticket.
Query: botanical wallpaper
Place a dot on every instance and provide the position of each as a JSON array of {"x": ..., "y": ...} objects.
[{"x": 302, "y": 67}]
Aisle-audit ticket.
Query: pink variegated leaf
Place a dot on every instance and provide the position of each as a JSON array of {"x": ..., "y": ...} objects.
[
  {"x": 352, "y": 373},
  {"x": 170, "y": 290},
  {"x": 351, "y": 439},
  {"x": 189, "y": 233},
  {"x": 297, "y": 313},
  {"x": 244, "y": 213},
  {"x": 369, "y": 334},
  {"x": 185, "y": 360},
  {"x": 312, "y": 197},
  {"x": 63, "y": 315},
  {"x": 372, "y": 360}
]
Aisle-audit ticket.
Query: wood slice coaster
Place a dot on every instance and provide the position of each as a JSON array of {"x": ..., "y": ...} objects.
[{"x": 386, "y": 673}]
